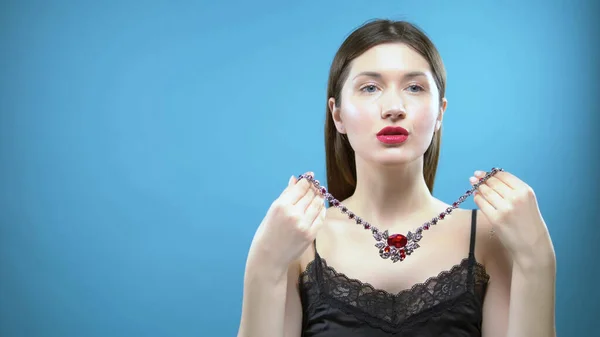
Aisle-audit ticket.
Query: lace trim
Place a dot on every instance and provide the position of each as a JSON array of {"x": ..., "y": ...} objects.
[{"x": 384, "y": 310}]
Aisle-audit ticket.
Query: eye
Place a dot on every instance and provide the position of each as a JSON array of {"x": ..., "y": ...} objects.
[
  {"x": 415, "y": 88},
  {"x": 369, "y": 88}
]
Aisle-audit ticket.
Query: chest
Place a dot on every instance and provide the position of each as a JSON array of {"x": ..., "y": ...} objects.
[{"x": 441, "y": 260}]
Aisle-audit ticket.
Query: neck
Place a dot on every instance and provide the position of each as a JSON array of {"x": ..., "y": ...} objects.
[{"x": 389, "y": 196}]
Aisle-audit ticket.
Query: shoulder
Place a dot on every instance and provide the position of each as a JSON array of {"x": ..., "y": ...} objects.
[{"x": 333, "y": 233}]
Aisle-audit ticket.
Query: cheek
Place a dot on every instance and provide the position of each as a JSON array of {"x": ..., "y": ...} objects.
[
  {"x": 358, "y": 117},
  {"x": 424, "y": 117},
  {"x": 425, "y": 122}
]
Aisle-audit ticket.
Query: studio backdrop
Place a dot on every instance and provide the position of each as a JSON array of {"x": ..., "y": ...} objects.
[{"x": 142, "y": 142}]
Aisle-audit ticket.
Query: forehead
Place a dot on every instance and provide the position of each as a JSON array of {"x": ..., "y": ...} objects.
[{"x": 390, "y": 57}]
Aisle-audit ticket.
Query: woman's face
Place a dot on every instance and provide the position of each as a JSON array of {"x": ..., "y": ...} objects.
[{"x": 389, "y": 85}]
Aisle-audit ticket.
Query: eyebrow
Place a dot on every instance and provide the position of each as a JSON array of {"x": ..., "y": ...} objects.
[{"x": 374, "y": 74}]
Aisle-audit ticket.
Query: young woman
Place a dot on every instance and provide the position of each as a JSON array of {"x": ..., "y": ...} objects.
[{"x": 353, "y": 269}]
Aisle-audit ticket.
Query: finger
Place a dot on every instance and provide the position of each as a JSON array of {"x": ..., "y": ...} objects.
[
  {"x": 291, "y": 182},
  {"x": 486, "y": 208},
  {"x": 510, "y": 180},
  {"x": 294, "y": 193},
  {"x": 507, "y": 178},
  {"x": 499, "y": 186},
  {"x": 306, "y": 200},
  {"x": 314, "y": 209},
  {"x": 491, "y": 196},
  {"x": 318, "y": 223}
]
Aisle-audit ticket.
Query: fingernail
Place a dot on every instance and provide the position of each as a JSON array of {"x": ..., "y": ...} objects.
[
  {"x": 478, "y": 173},
  {"x": 473, "y": 179}
]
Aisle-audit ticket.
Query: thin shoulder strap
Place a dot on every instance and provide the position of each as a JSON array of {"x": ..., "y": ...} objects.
[
  {"x": 317, "y": 264},
  {"x": 471, "y": 262},
  {"x": 473, "y": 232}
]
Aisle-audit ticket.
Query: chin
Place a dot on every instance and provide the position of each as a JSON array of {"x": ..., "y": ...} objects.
[{"x": 390, "y": 158}]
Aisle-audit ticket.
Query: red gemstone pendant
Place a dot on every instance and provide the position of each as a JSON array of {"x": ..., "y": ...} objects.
[{"x": 397, "y": 240}]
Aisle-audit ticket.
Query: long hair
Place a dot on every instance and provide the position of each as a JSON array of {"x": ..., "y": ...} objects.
[{"x": 340, "y": 160}]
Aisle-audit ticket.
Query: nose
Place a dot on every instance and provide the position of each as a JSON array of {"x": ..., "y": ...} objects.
[
  {"x": 393, "y": 112},
  {"x": 393, "y": 107}
]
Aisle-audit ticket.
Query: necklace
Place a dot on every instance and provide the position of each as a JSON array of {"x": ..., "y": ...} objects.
[{"x": 397, "y": 246}]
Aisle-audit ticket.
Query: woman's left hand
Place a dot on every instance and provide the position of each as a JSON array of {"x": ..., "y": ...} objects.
[{"x": 512, "y": 209}]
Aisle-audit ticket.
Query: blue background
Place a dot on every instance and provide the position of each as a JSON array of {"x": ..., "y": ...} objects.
[{"x": 139, "y": 145}]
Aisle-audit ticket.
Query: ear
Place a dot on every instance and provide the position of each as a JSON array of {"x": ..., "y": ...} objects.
[
  {"x": 438, "y": 123},
  {"x": 336, "y": 114}
]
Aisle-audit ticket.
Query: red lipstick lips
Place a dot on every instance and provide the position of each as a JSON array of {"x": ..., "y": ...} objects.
[{"x": 392, "y": 135}]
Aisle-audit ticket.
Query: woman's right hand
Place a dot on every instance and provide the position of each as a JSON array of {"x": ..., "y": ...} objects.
[{"x": 290, "y": 225}]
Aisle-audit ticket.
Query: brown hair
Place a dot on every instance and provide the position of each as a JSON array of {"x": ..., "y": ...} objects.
[{"x": 341, "y": 167}]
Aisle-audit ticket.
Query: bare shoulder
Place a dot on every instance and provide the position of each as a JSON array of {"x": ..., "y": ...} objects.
[
  {"x": 325, "y": 237},
  {"x": 486, "y": 245}
]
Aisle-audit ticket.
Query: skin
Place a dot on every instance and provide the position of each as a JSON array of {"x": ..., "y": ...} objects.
[{"x": 398, "y": 89}]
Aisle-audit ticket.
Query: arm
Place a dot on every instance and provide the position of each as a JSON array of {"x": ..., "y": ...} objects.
[
  {"x": 532, "y": 309},
  {"x": 519, "y": 301},
  {"x": 522, "y": 295},
  {"x": 271, "y": 304},
  {"x": 497, "y": 299}
]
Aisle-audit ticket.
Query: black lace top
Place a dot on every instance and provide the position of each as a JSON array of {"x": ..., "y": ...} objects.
[{"x": 449, "y": 304}]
